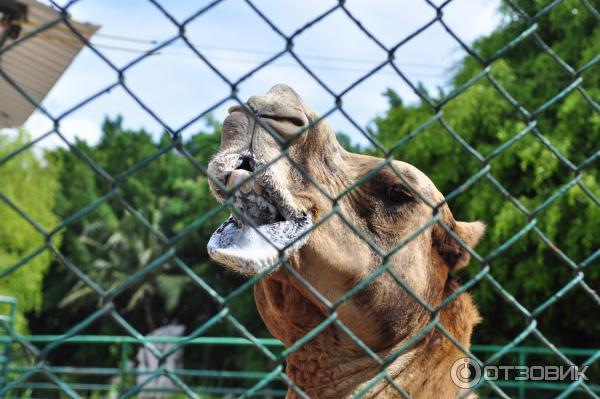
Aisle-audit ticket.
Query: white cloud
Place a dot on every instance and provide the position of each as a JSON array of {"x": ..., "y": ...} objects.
[{"x": 71, "y": 127}]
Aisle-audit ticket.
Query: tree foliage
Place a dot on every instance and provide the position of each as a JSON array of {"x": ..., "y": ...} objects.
[
  {"x": 166, "y": 199},
  {"x": 30, "y": 184},
  {"x": 530, "y": 270}
]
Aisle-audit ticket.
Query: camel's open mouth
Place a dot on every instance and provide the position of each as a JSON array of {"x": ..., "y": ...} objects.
[{"x": 261, "y": 231}]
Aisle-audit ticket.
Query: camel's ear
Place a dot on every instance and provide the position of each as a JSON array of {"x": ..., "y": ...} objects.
[
  {"x": 450, "y": 250},
  {"x": 470, "y": 233}
]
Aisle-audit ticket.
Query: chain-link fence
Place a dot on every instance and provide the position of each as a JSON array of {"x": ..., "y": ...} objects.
[{"x": 38, "y": 356}]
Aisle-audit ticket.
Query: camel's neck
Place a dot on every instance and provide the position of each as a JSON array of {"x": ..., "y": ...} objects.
[
  {"x": 428, "y": 373},
  {"x": 332, "y": 365}
]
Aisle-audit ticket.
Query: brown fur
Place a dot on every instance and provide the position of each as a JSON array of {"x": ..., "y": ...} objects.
[{"x": 383, "y": 315}]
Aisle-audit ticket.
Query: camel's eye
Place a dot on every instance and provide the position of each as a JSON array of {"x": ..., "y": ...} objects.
[{"x": 398, "y": 195}]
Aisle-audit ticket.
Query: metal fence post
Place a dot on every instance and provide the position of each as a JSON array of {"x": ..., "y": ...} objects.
[
  {"x": 7, "y": 322},
  {"x": 521, "y": 362},
  {"x": 123, "y": 366}
]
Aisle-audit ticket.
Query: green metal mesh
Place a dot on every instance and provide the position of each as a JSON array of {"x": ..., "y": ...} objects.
[{"x": 277, "y": 357}]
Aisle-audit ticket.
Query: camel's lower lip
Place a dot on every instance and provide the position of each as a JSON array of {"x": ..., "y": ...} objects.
[{"x": 252, "y": 250}]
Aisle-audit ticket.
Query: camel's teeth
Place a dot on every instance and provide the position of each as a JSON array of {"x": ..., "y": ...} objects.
[
  {"x": 246, "y": 187},
  {"x": 236, "y": 177},
  {"x": 257, "y": 188}
]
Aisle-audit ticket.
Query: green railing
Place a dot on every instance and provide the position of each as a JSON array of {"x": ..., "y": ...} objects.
[
  {"x": 23, "y": 372},
  {"x": 8, "y": 308},
  {"x": 229, "y": 381}
]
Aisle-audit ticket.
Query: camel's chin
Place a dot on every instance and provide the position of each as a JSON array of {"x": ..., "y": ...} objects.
[{"x": 250, "y": 250}]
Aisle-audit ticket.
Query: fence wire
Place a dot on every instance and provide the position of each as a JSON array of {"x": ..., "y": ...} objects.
[{"x": 107, "y": 307}]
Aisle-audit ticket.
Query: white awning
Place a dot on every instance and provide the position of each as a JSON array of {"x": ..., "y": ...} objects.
[{"x": 37, "y": 63}]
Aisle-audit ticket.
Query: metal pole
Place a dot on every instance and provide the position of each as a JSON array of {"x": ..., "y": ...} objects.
[
  {"x": 123, "y": 366},
  {"x": 521, "y": 387},
  {"x": 8, "y": 324}
]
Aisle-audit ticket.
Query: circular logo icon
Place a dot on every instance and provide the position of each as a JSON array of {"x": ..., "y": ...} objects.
[{"x": 465, "y": 373}]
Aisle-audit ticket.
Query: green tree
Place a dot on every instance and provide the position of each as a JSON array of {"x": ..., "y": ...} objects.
[
  {"x": 110, "y": 244},
  {"x": 530, "y": 270},
  {"x": 30, "y": 184}
]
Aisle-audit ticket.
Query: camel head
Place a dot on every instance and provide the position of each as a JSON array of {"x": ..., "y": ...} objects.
[{"x": 292, "y": 189}]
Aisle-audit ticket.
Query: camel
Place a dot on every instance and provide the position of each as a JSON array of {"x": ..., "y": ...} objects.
[{"x": 281, "y": 205}]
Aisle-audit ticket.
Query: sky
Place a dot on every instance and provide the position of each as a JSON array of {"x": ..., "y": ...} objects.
[{"x": 178, "y": 86}]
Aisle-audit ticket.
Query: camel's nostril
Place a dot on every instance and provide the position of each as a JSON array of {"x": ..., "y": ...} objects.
[
  {"x": 286, "y": 122},
  {"x": 296, "y": 121}
]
